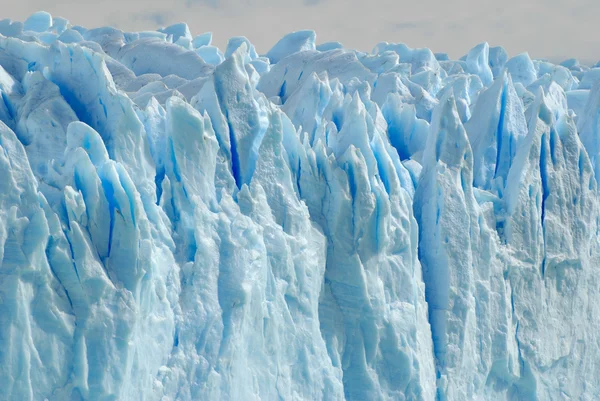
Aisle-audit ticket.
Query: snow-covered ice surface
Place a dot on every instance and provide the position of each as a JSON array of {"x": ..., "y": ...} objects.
[{"x": 179, "y": 222}]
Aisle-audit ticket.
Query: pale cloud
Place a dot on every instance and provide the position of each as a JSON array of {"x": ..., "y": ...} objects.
[{"x": 554, "y": 29}]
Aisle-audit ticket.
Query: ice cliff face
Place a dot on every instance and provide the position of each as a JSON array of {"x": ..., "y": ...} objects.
[{"x": 181, "y": 223}]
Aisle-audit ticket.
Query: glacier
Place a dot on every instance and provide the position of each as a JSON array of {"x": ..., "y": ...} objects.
[{"x": 179, "y": 222}]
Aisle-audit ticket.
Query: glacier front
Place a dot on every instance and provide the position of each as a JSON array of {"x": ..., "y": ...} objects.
[{"x": 179, "y": 222}]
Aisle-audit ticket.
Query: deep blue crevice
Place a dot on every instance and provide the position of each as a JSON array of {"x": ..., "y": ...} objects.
[
  {"x": 130, "y": 193},
  {"x": 545, "y": 188},
  {"x": 71, "y": 98},
  {"x": 235, "y": 158},
  {"x": 103, "y": 107},
  {"x": 544, "y": 178},
  {"x": 298, "y": 178},
  {"x": 176, "y": 338},
  {"x": 553, "y": 146},
  {"x": 351, "y": 180},
  {"x": 338, "y": 119},
  {"x": 282, "y": 91},
  {"x": 174, "y": 160},
  {"x": 158, "y": 179},
  {"x": 500, "y": 127},
  {"x": 9, "y": 105},
  {"x": 109, "y": 193}
]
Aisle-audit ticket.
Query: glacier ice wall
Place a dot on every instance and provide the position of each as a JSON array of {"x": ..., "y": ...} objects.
[{"x": 179, "y": 222}]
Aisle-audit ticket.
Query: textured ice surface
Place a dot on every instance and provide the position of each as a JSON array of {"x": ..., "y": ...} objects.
[{"x": 180, "y": 222}]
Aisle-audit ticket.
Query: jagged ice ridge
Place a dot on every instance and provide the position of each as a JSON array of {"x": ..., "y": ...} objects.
[{"x": 316, "y": 223}]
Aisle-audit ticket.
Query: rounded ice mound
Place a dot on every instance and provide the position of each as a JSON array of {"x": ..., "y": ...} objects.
[
  {"x": 180, "y": 30},
  {"x": 38, "y": 22},
  {"x": 497, "y": 59},
  {"x": 202, "y": 40},
  {"x": 292, "y": 43},
  {"x": 324, "y": 47},
  {"x": 210, "y": 54},
  {"x": 522, "y": 69},
  {"x": 82, "y": 135},
  {"x": 235, "y": 42},
  {"x": 589, "y": 79},
  {"x": 478, "y": 63}
]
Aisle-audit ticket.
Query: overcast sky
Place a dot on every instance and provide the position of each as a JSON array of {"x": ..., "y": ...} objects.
[{"x": 555, "y": 29}]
